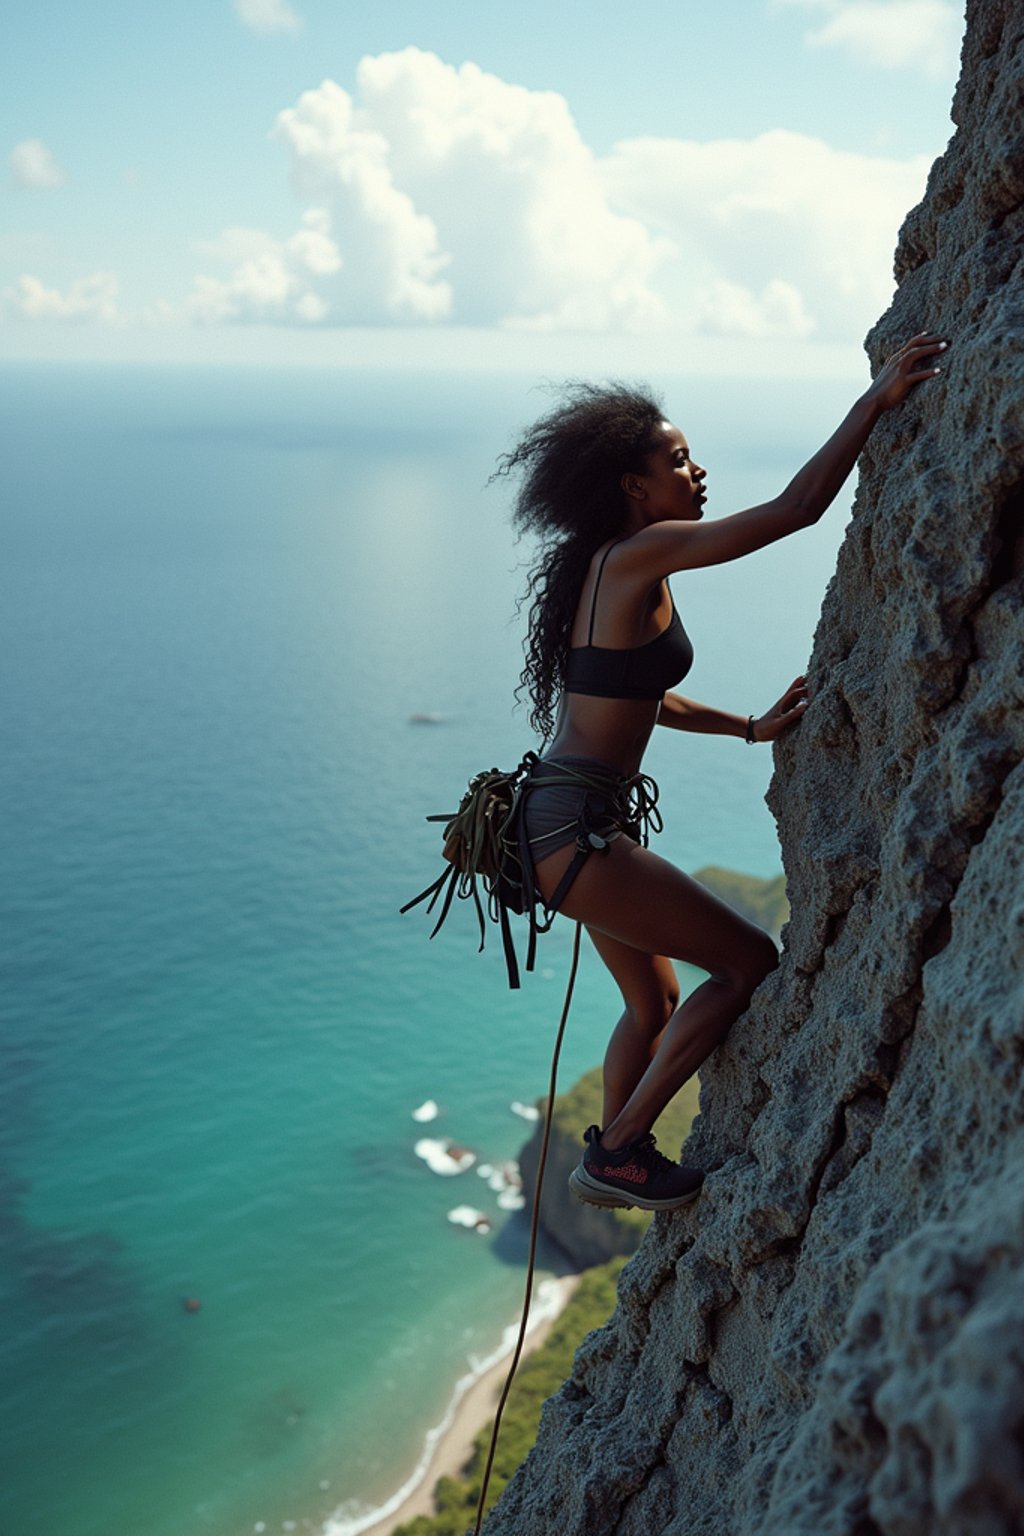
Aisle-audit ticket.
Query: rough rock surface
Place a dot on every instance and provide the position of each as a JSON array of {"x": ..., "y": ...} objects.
[{"x": 832, "y": 1340}]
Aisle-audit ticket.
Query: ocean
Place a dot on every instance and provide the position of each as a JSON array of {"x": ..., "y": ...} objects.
[{"x": 224, "y": 595}]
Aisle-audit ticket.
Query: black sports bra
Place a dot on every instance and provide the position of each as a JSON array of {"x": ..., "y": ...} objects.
[{"x": 642, "y": 672}]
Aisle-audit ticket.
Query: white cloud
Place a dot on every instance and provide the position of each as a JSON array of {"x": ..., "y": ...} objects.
[
  {"x": 437, "y": 194},
  {"x": 392, "y": 252},
  {"x": 776, "y": 231},
  {"x": 271, "y": 279},
  {"x": 268, "y": 15},
  {"x": 312, "y": 308},
  {"x": 891, "y": 34},
  {"x": 312, "y": 246},
  {"x": 88, "y": 298},
  {"x": 456, "y": 195},
  {"x": 729, "y": 309},
  {"x": 33, "y": 165}
]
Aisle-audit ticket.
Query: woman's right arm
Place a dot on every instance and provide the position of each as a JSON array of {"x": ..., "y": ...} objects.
[{"x": 684, "y": 545}]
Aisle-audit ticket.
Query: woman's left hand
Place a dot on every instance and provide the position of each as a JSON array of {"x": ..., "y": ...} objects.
[{"x": 783, "y": 714}]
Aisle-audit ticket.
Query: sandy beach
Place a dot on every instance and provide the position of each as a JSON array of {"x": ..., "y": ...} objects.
[{"x": 475, "y": 1409}]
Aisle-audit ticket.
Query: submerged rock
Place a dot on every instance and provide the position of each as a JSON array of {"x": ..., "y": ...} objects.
[{"x": 832, "y": 1339}]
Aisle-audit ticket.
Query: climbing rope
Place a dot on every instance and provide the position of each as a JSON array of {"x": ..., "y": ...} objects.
[{"x": 534, "y": 1223}]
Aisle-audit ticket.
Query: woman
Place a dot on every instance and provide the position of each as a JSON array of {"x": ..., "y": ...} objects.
[{"x": 615, "y": 494}]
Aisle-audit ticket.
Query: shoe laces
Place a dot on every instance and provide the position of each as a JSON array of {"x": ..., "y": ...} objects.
[{"x": 646, "y": 1149}]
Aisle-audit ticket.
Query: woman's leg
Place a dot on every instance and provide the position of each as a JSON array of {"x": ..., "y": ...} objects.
[
  {"x": 632, "y": 896},
  {"x": 650, "y": 992}
]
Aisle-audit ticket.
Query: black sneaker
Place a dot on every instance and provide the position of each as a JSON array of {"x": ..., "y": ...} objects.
[{"x": 636, "y": 1174}]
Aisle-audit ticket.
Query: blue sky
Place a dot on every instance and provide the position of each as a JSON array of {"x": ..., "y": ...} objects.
[{"x": 287, "y": 180}]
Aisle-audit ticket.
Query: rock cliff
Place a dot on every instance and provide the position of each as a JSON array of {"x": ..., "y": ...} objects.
[{"x": 832, "y": 1340}]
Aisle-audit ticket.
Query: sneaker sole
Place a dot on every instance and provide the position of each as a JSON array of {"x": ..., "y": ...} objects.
[{"x": 592, "y": 1192}]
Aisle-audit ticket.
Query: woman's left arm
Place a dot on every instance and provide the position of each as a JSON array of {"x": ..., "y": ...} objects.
[{"x": 683, "y": 714}]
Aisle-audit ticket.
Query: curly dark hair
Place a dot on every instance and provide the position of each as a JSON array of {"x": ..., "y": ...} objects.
[{"x": 571, "y": 464}]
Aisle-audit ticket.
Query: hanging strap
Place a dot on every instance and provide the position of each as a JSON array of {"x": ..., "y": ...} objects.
[
  {"x": 534, "y": 1223},
  {"x": 597, "y": 583}
]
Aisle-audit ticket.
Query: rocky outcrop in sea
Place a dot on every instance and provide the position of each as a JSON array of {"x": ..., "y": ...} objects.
[{"x": 832, "y": 1340}]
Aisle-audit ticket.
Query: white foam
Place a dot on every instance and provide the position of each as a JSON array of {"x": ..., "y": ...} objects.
[
  {"x": 469, "y": 1216},
  {"x": 443, "y": 1157},
  {"x": 511, "y": 1200},
  {"x": 348, "y": 1520},
  {"x": 524, "y": 1111},
  {"x": 428, "y": 1110},
  {"x": 503, "y": 1178}
]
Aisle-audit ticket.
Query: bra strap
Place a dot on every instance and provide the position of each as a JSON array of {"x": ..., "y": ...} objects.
[{"x": 597, "y": 583}]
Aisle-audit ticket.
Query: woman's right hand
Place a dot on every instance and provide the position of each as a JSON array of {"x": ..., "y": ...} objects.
[
  {"x": 909, "y": 365},
  {"x": 786, "y": 712}
]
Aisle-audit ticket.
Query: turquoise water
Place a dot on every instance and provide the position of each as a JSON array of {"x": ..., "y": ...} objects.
[{"x": 222, "y": 596}]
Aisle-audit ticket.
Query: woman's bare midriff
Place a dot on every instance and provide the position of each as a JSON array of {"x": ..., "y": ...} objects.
[{"x": 612, "y": 731}]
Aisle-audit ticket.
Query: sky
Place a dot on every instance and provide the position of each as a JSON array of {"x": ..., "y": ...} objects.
[{"x": 463, "y": 182}]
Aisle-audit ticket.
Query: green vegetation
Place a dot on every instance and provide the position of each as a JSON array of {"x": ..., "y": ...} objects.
[
  {"x": 760, "y": 901},
  {"x": 540, "y": 1374}
]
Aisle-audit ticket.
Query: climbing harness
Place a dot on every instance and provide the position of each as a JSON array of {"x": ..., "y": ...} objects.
[{"x": 486, "y": 843}]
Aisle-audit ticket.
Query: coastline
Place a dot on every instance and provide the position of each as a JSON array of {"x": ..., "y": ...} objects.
[{"x": 449, "y": 1444}]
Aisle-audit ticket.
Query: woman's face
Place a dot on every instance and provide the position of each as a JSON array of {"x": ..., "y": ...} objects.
[{"x": 671, "y": 486}]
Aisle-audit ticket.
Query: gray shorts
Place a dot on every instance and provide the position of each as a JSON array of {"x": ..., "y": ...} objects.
[{"x": 555, "y": 815}]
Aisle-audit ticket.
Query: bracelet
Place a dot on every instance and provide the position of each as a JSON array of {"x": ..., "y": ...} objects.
[{"x": 750, "y": 738}]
